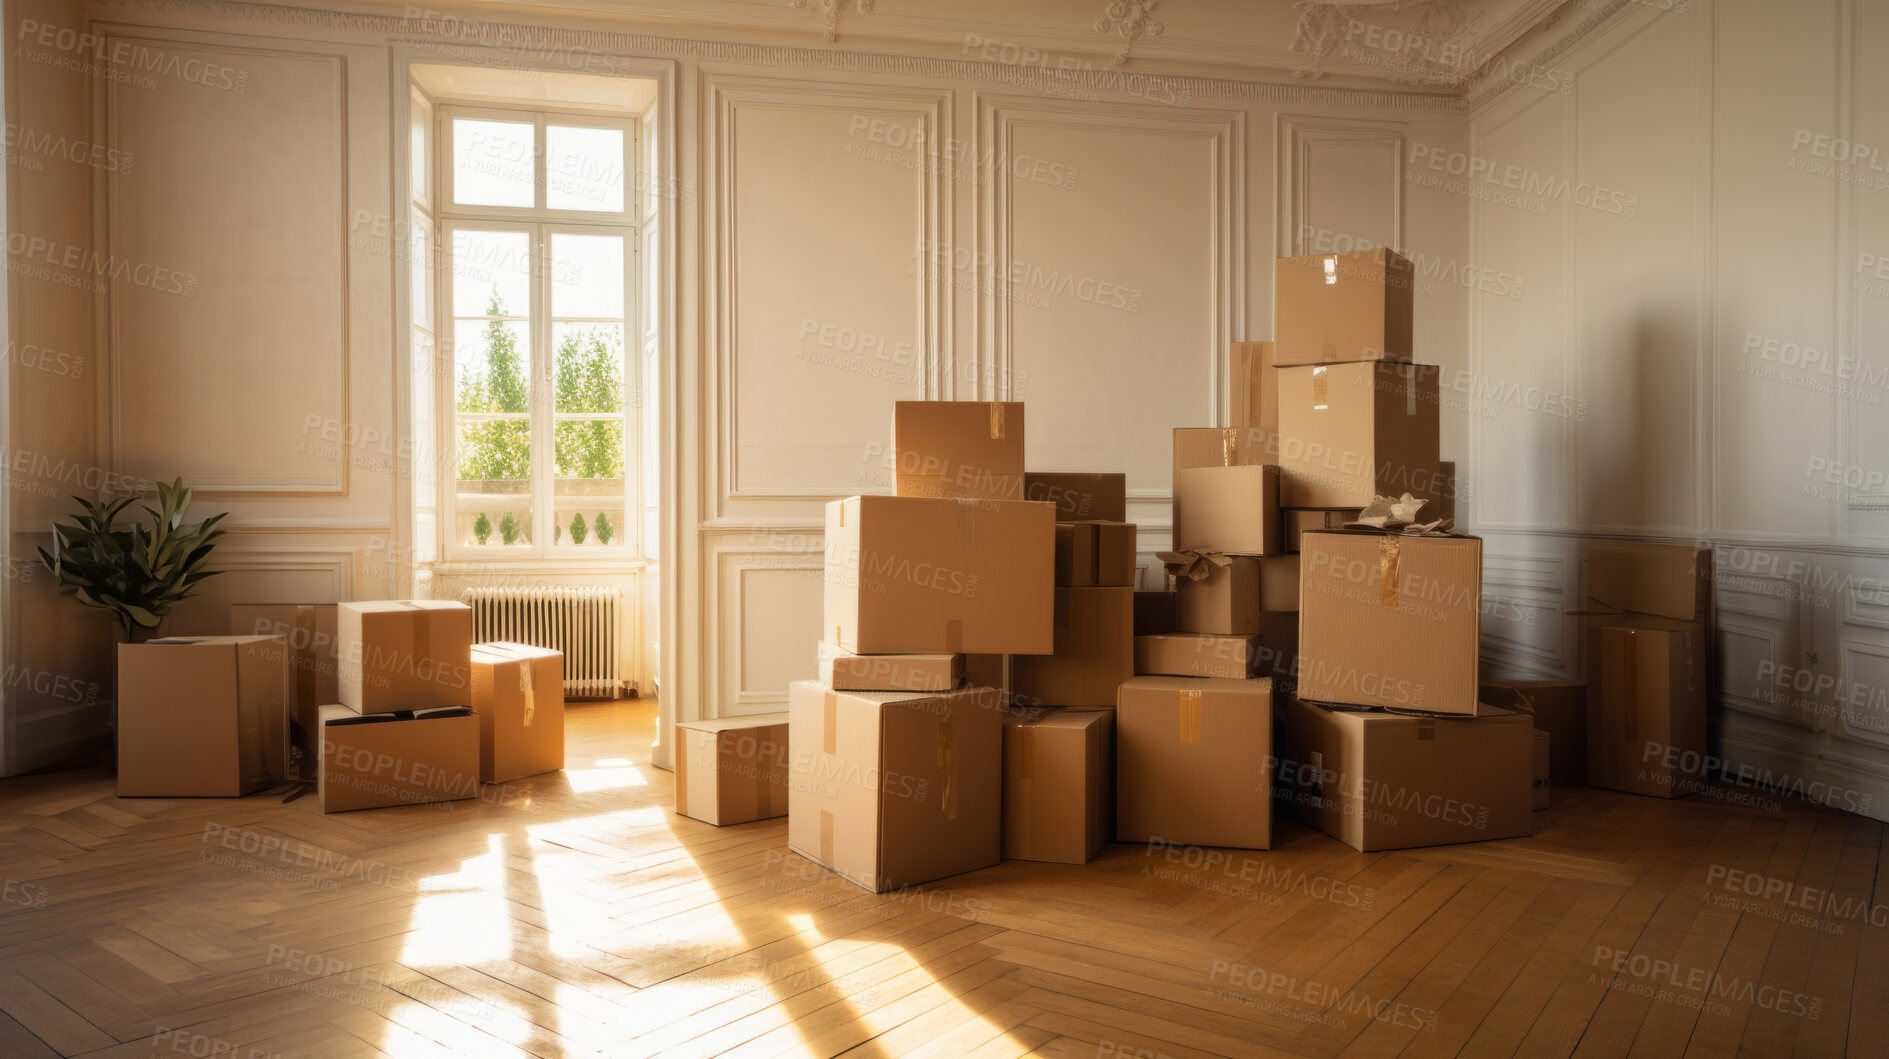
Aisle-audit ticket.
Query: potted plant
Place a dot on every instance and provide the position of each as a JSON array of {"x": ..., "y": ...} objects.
[
  {"x": 577, "y": 528},
  {"x": 605, "y": 530},
  {"x": 481, "y": 528},
  {"x": 136, "y": 572},
  {"x": 508, "y": 529}
]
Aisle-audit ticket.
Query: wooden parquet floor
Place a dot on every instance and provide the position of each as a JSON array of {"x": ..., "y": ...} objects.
[{"x": 577, "y": 914}]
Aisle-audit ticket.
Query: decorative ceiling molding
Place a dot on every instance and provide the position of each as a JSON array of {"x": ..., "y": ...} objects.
[
  {"x": 1558, "y": 36},
  {"x": 1130, "y": 20},
  {"x": 833, "y": 9},
  {"x": 1435, "y": 52}
]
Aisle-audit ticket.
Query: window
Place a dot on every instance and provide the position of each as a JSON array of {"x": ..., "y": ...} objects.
[{"x": 538, "y": 284}]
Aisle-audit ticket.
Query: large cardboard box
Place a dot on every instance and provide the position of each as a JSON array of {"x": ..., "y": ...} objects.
[
  {"x": 1155, "y": 613},
  {"x": 309, "y": 630},
  {"x": 1095, "y": 553},
  {"x": 398, "y": 655},
  {"x": 1197, "y": 655},
  {"x": 1353, "y": 432},
  {"x": 1558, "y": 707},
  {"x": 1058, "y": 785},
  {"x": 1296, "y": 522},
  {"x": 842, "y": 670},
  {"x": 1544, "y": 752},
  {"x": 1079, "y": 497},
  {"x": 958, "y": 449},
  {"x": 202, "y": 716},
  {"x": 892, "y": 789},
  {"x": 374, "y": 761},
  {"x": 1390, "y": 620},
  {"x": 1229, "y": 509},
  {"x": 1224, "y": 603},
  {"x": 1354, "y": 306},
  {"x": 732, "y": 770},
  {"x": 1253, "y": 401},
  {"x": 1646, "y": 706},
  {"x": 1095, "y": 651},
  {"x": 1194, "y": 762},
  {"x": 914, "y": 575},
  {"x": 1375, "y": 780},
  {"x": 518, "y": 693}
]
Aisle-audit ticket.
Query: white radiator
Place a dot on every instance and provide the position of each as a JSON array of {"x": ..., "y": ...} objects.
[{"x": 584, "y": 623}]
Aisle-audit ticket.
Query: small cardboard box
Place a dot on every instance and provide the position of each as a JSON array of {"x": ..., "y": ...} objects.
[
  {"x": 1058, "y": 785},
  {"x": 309, "y": 629},
  {"x": 1095, "y": 553},
  {"x": 1196, "y": 655},
  {"x": 1543, "y": 753},
  {"x": 1355, "y": 432},
  {"x": 1095, "y": 651},
  {"x": 958, "y": 449},
  {"x": 1225, "y": 603},
  {"x": 1646, "y": 706},
  {"x": 1155, "y": 613},
  {"x": 1194, "y": 762},
  {"x": 1390, "y": 620},
  {"x": 1079, "y": 497},
  {"x": 374, "y": 761},
  {"x": 892, "y": 788},
  {"x": 843, "y": 670},
  {"x": 1558, "y": 707},
  {"x": 1376, "y": 780},
  {"x": 202, "y": 716},
  {"x": 732, "y": 770},
  {"x": 1665, "y": 580},
  {"x": 1296, "y": 522},
  {"x": 1253, "y": 401},
  {"x": 1279, "y": 582},
  {"x": 397, "y": 655},
  {"x": 1354, "y": 306},
  {"x": 912, "y": 575},
  {"x": 1217, "y": 447},
  {"x": 1234, "y": 510},
  {"x": 518, "y": 693}
]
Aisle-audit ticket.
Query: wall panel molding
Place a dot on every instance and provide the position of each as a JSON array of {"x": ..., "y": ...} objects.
[{"x": 1300, "y": 139}]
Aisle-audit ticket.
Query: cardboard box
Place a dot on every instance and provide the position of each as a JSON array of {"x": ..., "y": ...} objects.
[
  {"x": 1543, "y": 754},
  {"x": 1296, "y": 522},
  {"x": 985, "y": 671},
  {"x": 1390, "y": 620},
  {"x": 1058, "y": 785},
  {"x": 1155, "y": 613},
  {"x": 958, "y": 449},
  {"x": 202, "y": 716},
  {"x": 1558, "y": 707},
  {"x": 1330, "y": 308},
  {"x": 732, "y": 770},
  {"x": 1079, "y": 497},
  {"x": 1376, "y": 780},
  {"x": 1225, "y": 603},
  {"x": 1234, "y": 510},
  {"x": 1353, "y": 432},
  {"x": 892, "y": 788},
  {"x": 1217, "y": 447},
  {"x": 1646, "y": 706},
  {"x": 374, "y": 761},
  {"x": 309, "y": 630},
  {"x": 1196, "y": 655},
  {"x": 1276, "y": 650},
  {"x": 1095, "y": 651},
  {"x": 1194, "y": 762},
  {"x": 912, "y": 575},
  {"x": 843, "y": 670},
  {"x": 518, "y": 693},
  {"x": 1095, "y": 553},
  {"x": 397, "y": 655},
  {"x": 1665, "y": 580},
  {"x": 1253, "y": 401},
  {"x": 1279, "y": 582}
]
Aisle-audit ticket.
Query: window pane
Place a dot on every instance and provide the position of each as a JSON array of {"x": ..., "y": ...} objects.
[
  {"x": 421, "y": 118},
  {"x": 587, "y": 275},
  {"x": 420, "y": 249},
  {"x": 589, "y": 368},
  {"x": 588, "y": 490},
  {"x": 494, "y": 511},
  {"x": 492, "y": 366},
  {"x": 583, "y": 169},
  {"x": 491, "y": 268},
  {"x": 493, "y": 163}
]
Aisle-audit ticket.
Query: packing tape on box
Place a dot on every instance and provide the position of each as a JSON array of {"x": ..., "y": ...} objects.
[
  {"x": 948, "y": 761},
  {"x": 1229, "y": 447},
  {"x": 1321, "y": 389},
  {"x": 1426, "y": 728},
  {"x": 1410, "y": 390},
  {"x": 1026, "y": 751},
  {"x": 1189, "y": 715},
  {"x": 829, "y": 724},
  {"x": 826, "y": 837},
  {"x": 996, "y": 421},
  {"x": 525, "y": 688},
  {"x": 1389, "y": 553},
  {"x": 954, "y": 636}
]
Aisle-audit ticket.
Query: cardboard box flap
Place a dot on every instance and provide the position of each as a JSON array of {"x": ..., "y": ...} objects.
[{"x": 734, "y": 724}]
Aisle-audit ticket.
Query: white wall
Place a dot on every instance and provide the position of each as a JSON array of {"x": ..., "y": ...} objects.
[{"x": 1668, "y": 308}]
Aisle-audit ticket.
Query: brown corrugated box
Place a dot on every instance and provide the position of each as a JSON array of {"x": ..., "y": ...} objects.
[
  {"x": 1155, "y": 613},
  {"x": 376, "y": 761},
  {"x": 1354, "y": 306},
  {"x": 1234, "y": 510},
  {"x": 202, "y": 716},
  {"x": 1375, "y": 780},
  {"x": 1224, "y": 603},
  {"x": 1390, "y": 620},
  {"x": 403, "y": 655},
  {"x": 892, "y": 789},
  {"x": 1193, "y": 762},
  {"x": 1276, "y": 654},
  {"x": 309, "y": 629},
  {"x": 1216, "y": 447},
  {"x": 1646, "y": 705},
  {"x": 1095, "y": 553},
  {"x": 1558, "y": 707},
  {"x": 1197, "y": 655},
  {"x": 1296, "y": 522},
  {"x": 905, "y": 574},
  {"x": 1058, "y": 785},
  {"x": 1095, "y": 651},
  {"x": 1252, "y": 400},
  {"x": 953, "y": 449},
  {"x": 842, "y": 670},
  {"x": 1353, "y": 432},
  {"x": 1079, "y": 497},
  {"x": 1279, "y": 582},
  {"x": 983, "y": 671},
  {"x": 732, "y": 770},
  {"x": 1543, "y": 754},
  {"x": 518, "y": 693}
]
